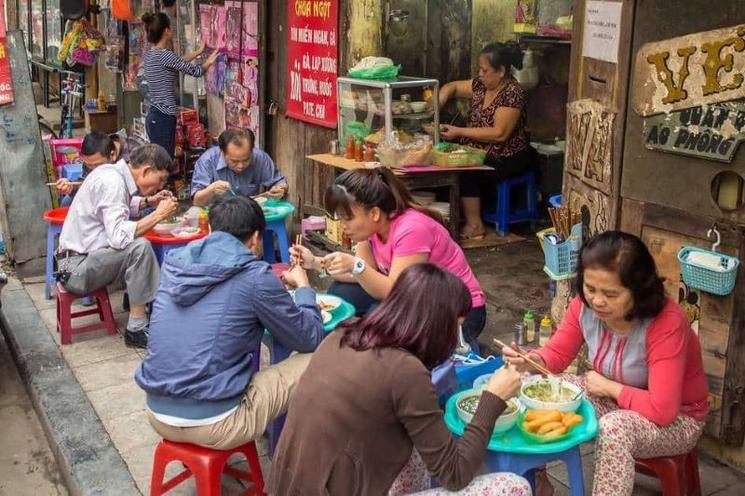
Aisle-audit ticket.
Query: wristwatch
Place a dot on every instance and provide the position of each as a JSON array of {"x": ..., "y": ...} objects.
[{"x": 358, "y": 267}]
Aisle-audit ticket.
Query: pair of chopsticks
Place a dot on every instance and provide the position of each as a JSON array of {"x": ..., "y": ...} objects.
[
  {"x": 295, "y": 259},
  {"x": 540, "y": 368},
  {"x": 73, "y": 183}
]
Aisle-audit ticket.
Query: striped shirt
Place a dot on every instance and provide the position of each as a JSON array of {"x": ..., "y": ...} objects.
[{"x": 161, "y": 68}]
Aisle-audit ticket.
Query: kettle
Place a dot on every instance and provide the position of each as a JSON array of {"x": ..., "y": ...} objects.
[{"x": 528, "y": 75}]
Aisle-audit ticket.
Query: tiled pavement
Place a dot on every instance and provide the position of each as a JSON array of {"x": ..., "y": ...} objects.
[{"x": 104, "y": 368}]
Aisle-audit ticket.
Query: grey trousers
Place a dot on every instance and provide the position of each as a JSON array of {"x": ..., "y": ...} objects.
[{"x": 135, "y": 267}]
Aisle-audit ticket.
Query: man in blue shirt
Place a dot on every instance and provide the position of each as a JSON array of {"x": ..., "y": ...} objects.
[
  {"x": 216, "y": 296},
  {"x": 236, "y": 167}
]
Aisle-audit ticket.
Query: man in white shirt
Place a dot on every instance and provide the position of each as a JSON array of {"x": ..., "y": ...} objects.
[{"x": 100, "y": 245}]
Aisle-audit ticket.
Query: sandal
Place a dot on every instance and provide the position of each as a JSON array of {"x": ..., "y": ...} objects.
[{"x": 472, "y": 237}]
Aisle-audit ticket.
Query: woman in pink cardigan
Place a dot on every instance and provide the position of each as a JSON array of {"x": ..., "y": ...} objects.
[{"x": 647, "y": 384}]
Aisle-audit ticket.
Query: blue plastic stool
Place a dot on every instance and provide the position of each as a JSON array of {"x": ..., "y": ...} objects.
[
  {"x": 502, "y": 217},
  {"x": 53, "y": 230},
  {"x": 278, "y": 227}
]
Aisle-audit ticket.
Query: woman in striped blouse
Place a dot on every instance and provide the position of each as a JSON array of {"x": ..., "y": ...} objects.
[{"x": 161, "y": 68}]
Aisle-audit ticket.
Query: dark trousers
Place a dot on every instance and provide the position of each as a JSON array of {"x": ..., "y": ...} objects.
[
  {"x": 161, "y": 129},
  {"x": 364, "y": 303}
]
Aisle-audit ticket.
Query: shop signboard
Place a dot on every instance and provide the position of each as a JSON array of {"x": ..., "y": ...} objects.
[
  {"x": 6, "y": 83},
  {"x": 312, "y": 56},
  {"x": 712, "y": 132},
  {"x": 689, "y": 71}
]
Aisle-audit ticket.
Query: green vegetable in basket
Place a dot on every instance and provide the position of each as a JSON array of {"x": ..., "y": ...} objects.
[
  {"x": 357, "y": 130},
  {"x": 445, "y": 146}
]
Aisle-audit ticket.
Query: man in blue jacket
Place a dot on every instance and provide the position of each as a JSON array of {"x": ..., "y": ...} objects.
[{"x": 216, "y": 297}]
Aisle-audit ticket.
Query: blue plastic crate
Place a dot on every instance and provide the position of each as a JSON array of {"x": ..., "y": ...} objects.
[
  {"x": 555, "y": 201},
  {"x": 561, "y": 259},
  {"x": 73, "y": 171}
]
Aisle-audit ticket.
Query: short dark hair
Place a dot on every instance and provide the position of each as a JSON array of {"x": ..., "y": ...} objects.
[
  {"x": 97, "y": 142},
  {"x": 399, "y": 321},
  {"x": 237, "y": 215},
  {"x": 152, "y": 155},
  {"x": 235, "y": 136},
  {"x": 503, "y": 55},
  {"x": 628, "y": 256},
  {"x": 156, "y": 24}
]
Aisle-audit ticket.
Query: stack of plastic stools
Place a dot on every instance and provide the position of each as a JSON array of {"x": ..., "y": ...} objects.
[
  {"x": 503, "y": 216},
  {"x": 65, "y": 315},
  {"x": 678, "y": 475},
  {"x": 206, "y": 465}
]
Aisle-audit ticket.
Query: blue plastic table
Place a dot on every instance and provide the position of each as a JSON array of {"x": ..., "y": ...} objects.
[
  {"x": 277, "y": 353},
  {"x": 275, "y": 213},
  {"x": 513, "y": 452}
]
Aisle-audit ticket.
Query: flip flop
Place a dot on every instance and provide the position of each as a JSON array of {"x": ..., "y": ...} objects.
[{"x": 472, "y": 237}]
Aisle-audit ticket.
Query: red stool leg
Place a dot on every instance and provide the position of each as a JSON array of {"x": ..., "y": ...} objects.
[
  {"x": 693, "y": 482},
  {"x": 107, "y": 315},
  {"x": 670, "y": 476},
  {"x": 209, "y": 477},
  {"x": 65, "y": 320},
  {"x": 159, "y": 471},
  {"x": 252, "y": 457}
]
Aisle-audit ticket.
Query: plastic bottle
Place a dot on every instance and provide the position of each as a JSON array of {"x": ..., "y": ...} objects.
[
  {"x": 349, "y": 151},
  {"x": 204, "y": 222},
  {"x": 358, "y": 152},
  {"x": 529, "y": 323},
  {"x": 545, "y": 330}
]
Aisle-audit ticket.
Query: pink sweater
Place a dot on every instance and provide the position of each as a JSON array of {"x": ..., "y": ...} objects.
[{"x": 659, "y": 362}]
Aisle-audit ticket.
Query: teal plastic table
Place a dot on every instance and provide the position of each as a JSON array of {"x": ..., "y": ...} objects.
[
  {"x": 275, "y": 213},
  {"x": 511, "y": 451}
]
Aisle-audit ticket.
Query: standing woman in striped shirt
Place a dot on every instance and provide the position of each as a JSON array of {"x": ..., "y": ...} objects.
[{"x": 161, "y": 68}]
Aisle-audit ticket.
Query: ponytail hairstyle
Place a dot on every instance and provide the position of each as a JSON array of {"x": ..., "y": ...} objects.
[
  {"x": 156, "y": 24},
  {"x": 370, "y": 188},
  {"x": 507, "y": 54}
]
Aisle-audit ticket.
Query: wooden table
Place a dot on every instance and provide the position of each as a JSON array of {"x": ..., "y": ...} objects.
[{"x": 416, "y": 178}]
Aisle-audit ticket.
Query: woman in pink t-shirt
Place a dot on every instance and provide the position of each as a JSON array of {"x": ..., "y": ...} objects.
[
  {"x": 391, "y": 233},
  {"x": 647, "y": 381}
]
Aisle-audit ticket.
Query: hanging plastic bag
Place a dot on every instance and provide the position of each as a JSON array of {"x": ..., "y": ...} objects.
[{"x": 122, "y": 10}]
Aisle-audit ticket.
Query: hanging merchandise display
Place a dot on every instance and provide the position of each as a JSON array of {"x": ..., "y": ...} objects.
[
  {"x": 138, "y": 45},
  {"x": 81, "y": 44},
  {"x": 114, "y": 34}
]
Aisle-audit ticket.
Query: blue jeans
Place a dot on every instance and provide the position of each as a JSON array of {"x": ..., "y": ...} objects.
[
  {"x": 364, "y": 303},
  {"x": 161, "y": 129}
]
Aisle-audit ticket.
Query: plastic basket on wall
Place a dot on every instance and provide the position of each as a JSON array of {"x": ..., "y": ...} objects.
[
  {"x": 708, "y": 270},
  {"x": 561, "y": 259}
]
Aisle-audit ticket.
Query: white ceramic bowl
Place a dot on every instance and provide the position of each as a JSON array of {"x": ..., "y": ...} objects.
[
  {"x": 503, "y": 423},
  {"x": 418, "y": 107},
  {"x": 482, "y": 380},
  {"x": 534, "y": 404}
]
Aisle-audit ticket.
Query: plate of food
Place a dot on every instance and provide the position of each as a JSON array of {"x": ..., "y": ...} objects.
[
  {"x": 328, "y": 303},
  {"x": 261, "y": 200},
  {"x": 550, "y": 393},
  {"x": 548, "y": 426},
  {"x": 185, "y": 232},
  {"x": 326, "y": 316},
  {"x": 166, "y": 227},
  {"x": 468, "y": 402}
]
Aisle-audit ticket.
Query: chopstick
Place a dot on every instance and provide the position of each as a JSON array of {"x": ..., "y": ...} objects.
[
  {"x": 540, "y": 368},
  {"x": 298, "y": 242},
  {"x": 72, "y": 183}
]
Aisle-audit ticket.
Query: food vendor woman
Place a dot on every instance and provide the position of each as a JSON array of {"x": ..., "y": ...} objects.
[
  {"x": 391, "y": 233},
  {"x": 496, "y": 124},
  {"x": 161, "y": 67},
  {"x": 647, "y": 384}
]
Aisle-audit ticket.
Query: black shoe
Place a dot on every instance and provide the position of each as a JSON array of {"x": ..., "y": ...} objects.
[{"x": 136, "y": 339}]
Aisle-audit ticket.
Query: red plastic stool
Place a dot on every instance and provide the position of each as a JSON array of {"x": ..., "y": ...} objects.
[
  {"x": 207, "y": 466},
  {"x": 65, "y": 314},
  {"x": 677, "y": 474}
]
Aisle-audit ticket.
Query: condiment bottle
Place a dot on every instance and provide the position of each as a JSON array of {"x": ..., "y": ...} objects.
[
  {"x": 545, "y": 330},
  {"x": 204, "y": 222},
  {"x": 349, "y": 153},
  {"x": 369, "y": 154},
  {"x": 529, "y": 323},
  {"x": 101, "y": 102},
  {"x": 358, "y": 154}
]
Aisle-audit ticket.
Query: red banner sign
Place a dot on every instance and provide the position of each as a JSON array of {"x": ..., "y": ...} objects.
[
  {"x": 312, "y": 60},
  {"x": 6, "y": 83}
]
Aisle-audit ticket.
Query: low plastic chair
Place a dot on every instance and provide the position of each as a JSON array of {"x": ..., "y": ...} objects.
[
  {"x": 678, "y": 474},
  {"x": 502, "y": 215},
  {"x": 278, "y": 227},
  {"x": 65, "y": 315},
  {"x": 206, "y": 465}
]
